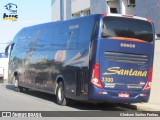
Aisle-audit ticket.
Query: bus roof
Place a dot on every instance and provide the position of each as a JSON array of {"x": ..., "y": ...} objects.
[{"x": 127, "y": 16}]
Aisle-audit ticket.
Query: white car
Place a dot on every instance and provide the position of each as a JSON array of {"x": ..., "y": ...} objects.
[{"x": 1, "y": 74}]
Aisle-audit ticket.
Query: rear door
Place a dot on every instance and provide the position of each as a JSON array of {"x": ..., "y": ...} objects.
[{"x": 126, "y": 53}]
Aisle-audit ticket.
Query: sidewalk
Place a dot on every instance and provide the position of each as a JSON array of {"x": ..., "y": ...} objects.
[{"x": 148, "y": 106}]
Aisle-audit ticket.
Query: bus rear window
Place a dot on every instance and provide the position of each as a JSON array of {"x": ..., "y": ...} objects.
[{"x": 128, "y": 28}]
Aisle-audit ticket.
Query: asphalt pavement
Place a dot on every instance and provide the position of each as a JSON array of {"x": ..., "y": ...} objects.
[{"x": 11, "y": 100}]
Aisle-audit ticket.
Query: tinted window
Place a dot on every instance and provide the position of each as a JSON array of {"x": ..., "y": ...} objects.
[
  {"x": 88, "y": 27},
  {"x": 25, "y": 40},
  {"x": 73, "y": 36},
  {"x": 45, "y": 39},
  {"x": 60, "y": 35},
  {"x": 127, "y": 27}
]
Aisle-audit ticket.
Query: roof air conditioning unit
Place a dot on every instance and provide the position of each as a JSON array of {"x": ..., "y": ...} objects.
[{"x": 131, "y": 3}]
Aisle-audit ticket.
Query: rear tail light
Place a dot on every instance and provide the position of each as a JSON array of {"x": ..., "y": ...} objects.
[
  {"x": 95, "y": 80},
  {"x": 148, "y": 84}
]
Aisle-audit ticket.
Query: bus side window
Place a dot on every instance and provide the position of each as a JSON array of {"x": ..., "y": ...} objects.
[
  {"x": 25, "y": 41},
  {"x": 73, "y": 37},
  {"x": 46, "y": 38},
  {"x": 86, "y": 31}
]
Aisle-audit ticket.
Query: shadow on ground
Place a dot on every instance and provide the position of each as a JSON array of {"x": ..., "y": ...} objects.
[{"x": 74, "y": 104}]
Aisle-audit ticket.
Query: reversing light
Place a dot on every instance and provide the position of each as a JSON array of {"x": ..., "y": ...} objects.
[
  {"x": 95, "y": 80},
  {"x": 144, "y": 95},
  {"x": 148, "y": 84}
]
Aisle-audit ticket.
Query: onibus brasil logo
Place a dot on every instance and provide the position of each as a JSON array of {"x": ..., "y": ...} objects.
[{"x": 11, "y": 12}]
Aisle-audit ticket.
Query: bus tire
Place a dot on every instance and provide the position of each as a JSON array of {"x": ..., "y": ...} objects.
[
  {"x": 60, "y": 95},
  {"x": 26, "y": 89},
  {"x": 17, "y": 88}
]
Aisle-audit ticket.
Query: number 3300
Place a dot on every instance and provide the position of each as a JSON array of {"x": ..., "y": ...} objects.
[{"x": 106, "y": 79}]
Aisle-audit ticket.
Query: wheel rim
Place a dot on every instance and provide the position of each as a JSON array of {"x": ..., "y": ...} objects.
[
  {"x": 16, "y": 83},
  {"x": 60, "y": 94}
]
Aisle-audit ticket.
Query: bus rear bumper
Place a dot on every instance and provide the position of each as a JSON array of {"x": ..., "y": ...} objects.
[{"x": 117, "y": 96}]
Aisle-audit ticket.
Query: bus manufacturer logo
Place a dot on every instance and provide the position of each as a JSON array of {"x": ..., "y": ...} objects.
[
  {"x": 127, "y": 45},
  {"x": 124, "y": 72}
]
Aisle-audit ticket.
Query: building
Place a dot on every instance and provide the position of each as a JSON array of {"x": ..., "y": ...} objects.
[
  {"x": 149, "y": 9},
  {"x": 86, "y": 7},
  {"x": 77, "y": 8},
  {"x": 64, "y": 13},
  {"x": 4, "y": 66}
]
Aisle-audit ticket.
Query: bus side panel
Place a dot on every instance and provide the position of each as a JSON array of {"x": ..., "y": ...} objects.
[
  {"x": 44, "y": 52},
  {"x": 77, "y": 72}
]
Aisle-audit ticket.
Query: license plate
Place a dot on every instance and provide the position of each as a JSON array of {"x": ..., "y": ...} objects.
[{"x": 123, "y": 95}]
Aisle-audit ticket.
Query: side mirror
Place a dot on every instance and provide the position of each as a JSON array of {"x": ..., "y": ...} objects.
[{"x": 6, "y": 50}]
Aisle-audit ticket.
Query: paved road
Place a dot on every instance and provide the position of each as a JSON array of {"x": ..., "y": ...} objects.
[{"x": 38, "y": 101}]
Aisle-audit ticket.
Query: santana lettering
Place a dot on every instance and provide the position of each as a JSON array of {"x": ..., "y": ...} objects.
[{"x": 131, "y": 72}]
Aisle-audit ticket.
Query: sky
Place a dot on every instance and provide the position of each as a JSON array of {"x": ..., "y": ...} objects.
[{"x": 30, "y": 12}]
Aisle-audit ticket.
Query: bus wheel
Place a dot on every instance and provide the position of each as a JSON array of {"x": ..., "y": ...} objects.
[
  {"x": 26, "y": 89},
  {"x": 17, "y": 87},
  {"x": 61, "y": 100}
]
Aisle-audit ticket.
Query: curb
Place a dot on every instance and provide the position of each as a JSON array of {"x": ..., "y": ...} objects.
[{"x": 148, "y": 107}]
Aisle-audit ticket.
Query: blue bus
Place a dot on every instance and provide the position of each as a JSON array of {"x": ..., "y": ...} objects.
[{"x": 98, "y": 58}]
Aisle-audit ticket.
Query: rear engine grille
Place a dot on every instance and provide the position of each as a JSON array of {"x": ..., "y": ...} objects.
[{"x": 126, "y": 57}]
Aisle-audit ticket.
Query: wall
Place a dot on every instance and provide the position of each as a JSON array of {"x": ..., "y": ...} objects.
[
  {"x": 98, "y": 6},
  {"x": 55, "y": 10},
  {"x": 94, "y": 6},
  {"x": 149, "y": 9},
  {"x": 114, "y": 4},
  {"x": 78, "y": 5},
  {"x": 4, "y": 64},
  {"x": 130, "y": 10},
  {"x": 155, "y": 90},
  {"x": 101, "y": 6}
]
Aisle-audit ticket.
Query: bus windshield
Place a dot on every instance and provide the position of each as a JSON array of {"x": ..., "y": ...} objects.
[{"x": 127, "y": 28}]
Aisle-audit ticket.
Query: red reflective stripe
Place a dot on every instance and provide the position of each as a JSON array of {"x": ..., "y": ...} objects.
[
  {"x": 104, "y": 15},
  {"x": 128, "y": 16},
  {"x": 149, "y": 20},
  {"x": 127, "y": 39},
  {"x": 147, "y": 86},
  {"x": 150, "y": 74}
]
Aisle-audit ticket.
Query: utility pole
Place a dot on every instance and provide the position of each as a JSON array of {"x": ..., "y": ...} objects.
[
  {"x": 62, "y": 9},
  {"x": 121, "y": 7},
  {"x": 68, "y": 9}
]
